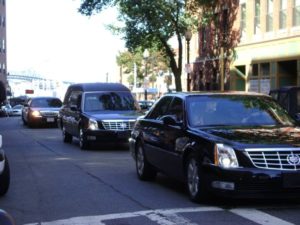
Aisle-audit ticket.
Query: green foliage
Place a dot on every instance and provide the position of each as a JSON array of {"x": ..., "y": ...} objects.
[
  {"x": 156, "y": 63},
  {"x": 150, "y": 24}
]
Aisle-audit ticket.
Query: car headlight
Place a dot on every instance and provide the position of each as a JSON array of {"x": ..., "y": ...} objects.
[
  {"x": 93, "y": 124},
  {"x": 36, "y": 113},
  {"x": 225, "y": 156}
]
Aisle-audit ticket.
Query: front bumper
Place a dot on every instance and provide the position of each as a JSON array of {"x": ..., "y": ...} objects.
[
  {"x": 43, "y": 120},
  {"x": 252, "y": 182},
  {"x": 2, "y": 157},
  {"x": 107, "y": 135}
]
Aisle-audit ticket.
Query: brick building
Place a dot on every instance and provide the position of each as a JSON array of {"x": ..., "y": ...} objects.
[{"x": 3, "y": 63}]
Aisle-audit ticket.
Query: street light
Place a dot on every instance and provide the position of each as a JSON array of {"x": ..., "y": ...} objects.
[
  {"x": 188, "y": 36},
  {"x": 146, "y": 56}
]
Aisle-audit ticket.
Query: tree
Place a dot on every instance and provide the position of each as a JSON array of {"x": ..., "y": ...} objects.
[
  {"x": 150, "y": 24},
  {"x": 218, "y": 38},
  {"x": 156, "y": 63}
]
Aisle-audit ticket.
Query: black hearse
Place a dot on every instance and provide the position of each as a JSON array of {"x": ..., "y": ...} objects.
[
  {"x": 97, "y": 112},
  {"x": 288, "y": 98}
]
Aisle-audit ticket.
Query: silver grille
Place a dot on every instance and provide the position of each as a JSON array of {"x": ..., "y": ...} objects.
[
  {"x": 49, "y": 113},
  {"x": 275, "y": 158},
  {"x": 118, "y": 124}
]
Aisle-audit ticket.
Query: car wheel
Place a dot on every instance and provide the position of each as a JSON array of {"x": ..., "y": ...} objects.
[
  {"x": 24, "y": 122},
  {"x": 195, "y": 183},
  {"x": 144, "y": 170},
  {"x": 4, "y": 178},
  {"x": 83, "y": 143},
  {"x": 67, "y": 138}
]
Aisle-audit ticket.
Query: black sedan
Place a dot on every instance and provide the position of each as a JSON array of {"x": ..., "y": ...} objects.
[
  {"x": 4, "y": 171},
  {"x": 229, "y": 144},
  {"x": 41, "y": 111}
]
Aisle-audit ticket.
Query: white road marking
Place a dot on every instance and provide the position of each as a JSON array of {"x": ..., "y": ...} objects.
[
  {"x": 260, "y": 217},
  {"x": 98, "y": 220},
  {"x": 169, "y": 217}
]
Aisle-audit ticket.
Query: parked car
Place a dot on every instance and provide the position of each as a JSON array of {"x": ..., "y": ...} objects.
[
  {"x": 6, "y": 218},
  {"x": 16, "y": 110},
  {"x": 145, "y": 104},
  {"x": 288, "y": 98},
  {"x": 228, "y": 144},
  {"x": 4, "y": 171},
  {"x": 41, "y": 111},
  {"x": 5, "y": 110},
  {"x": 97, "y": 112}
]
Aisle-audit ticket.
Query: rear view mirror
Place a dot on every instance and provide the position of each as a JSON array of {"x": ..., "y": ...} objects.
[{"x": 5, "y": 218}]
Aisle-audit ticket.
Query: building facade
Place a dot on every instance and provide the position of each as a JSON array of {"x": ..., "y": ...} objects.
[
  {"x": 3, "y": 63},
  {"x": 268, "y": 55}
]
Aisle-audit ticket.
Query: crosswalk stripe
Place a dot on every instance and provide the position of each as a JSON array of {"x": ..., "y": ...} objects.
[
  {"x": 259, "y": 217},
  {"x": 169, "y": 217}
]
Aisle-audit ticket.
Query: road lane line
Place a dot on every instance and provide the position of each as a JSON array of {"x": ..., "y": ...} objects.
[
  {"x": 99, "y": 220},
  {"x": 260, "y": 217}
]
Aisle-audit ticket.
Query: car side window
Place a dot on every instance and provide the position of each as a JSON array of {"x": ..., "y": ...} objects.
[
  {"x": 75, "y": 99},
  {"x": 284, "y": 100},
  {"x": 161, "y": 108},
  {"x": 176, "y": 109}
]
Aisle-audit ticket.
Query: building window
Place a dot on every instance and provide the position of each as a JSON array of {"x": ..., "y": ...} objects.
[
  {"x": 255, "y": 70},
  {"x": 269, "y": 19},
  {"x": 265, "y": 69},
  {"x": 243, "y": 19},
  {"x": 257, "y": 17},
  {"x": 282, "y": 14},
  {"x": 296, "y": 13}
]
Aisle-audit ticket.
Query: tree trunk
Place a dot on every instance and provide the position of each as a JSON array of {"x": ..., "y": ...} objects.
[{"x": 177, "y": 76}]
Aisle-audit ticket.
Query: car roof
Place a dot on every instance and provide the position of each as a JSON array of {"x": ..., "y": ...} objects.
[
  {"x": 99, "y": 87},
  {"x": 44, "y": 97},
  {"x": 286, "y": 88},
  {"x": 212, "y": 93}
]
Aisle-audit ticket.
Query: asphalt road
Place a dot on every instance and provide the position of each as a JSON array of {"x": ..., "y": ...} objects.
[{"x": 53, "y": 183}]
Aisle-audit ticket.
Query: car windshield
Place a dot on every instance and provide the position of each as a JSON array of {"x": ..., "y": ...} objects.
[
  {"x": 102, "y": 101},
  {"x": 233, "y": 110},
  {"x": 46, "y": 103}
]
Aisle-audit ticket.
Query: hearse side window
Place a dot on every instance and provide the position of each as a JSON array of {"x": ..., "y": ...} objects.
[
  {"x": 176, "y": 109},
  {"x": 298, "y": 101},
  {"x": 284, "y": 100},
  {"x": 160, "y": 109},
  {"x": 73, "y": 99}
]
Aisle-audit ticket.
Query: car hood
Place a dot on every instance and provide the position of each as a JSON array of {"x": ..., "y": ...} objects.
[
  {"x": 46, "y": 109},
  {"x": 114, "y": 115},
  {"x": 259, "y": 136}
]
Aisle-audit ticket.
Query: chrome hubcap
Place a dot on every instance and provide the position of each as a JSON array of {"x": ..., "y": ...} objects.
[
  {"x": 193, "y": 177},
  {"x": 140, "y": 160},
  {"x": 63, "y": 131},
  {"x": 80, "y": 137}
]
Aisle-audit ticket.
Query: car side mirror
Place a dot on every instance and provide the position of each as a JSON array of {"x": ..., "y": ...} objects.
[
  {"x": 74, "y": 108},
  {"x": 169, "y": 120},
  {"x": 5, "y": 218}
]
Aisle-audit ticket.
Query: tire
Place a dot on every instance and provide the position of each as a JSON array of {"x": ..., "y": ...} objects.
[
  {"x": 67, "y": 138},
  {"x": 4, "y": 179},
  {"x": 83, "y": 143},
  {"x": 195, "y": 183},
  {"x": 144, "y": 170},
  {"x": 24, "y": 122}
]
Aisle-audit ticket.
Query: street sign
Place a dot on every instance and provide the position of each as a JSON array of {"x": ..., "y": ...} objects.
[{"x": 29, "y": 91}]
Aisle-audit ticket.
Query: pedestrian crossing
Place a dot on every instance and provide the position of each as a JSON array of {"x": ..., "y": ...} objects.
[{"x": 178, "y": 216}]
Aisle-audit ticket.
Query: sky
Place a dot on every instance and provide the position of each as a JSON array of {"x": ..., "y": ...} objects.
[{"x": 51, "y": 39}]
